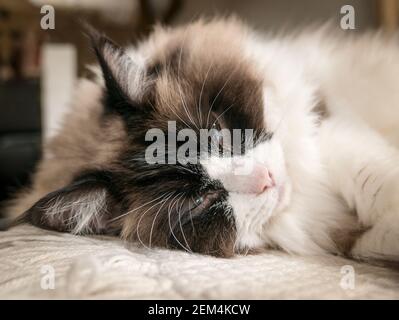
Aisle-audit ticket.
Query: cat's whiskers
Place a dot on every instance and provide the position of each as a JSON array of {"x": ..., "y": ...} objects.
[
  {"x": 200, "y": 96},
  {"x": 135, "y": 209},
  {"x": 185, "y": 107},
  {"x": 144, "y": 213},
  {"x": 171, "y": 229},
  {"x": 175, "y": 113},
  {"x": 179, "y": 81},
  {"x": 192, "y": 222},
  {"x": 155, "y": 218},
  {"x": 227, "y": 109},
  {"x": 214, "y": 100},
  {"x": 181, "y": 227},
  {"x": 182, "y": 167}
]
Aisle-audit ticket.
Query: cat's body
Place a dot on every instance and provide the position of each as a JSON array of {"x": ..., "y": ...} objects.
[{"x": 325, "y": 110}]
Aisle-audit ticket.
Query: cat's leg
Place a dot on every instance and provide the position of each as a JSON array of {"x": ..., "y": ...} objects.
[{"x": 364, "y": 169}]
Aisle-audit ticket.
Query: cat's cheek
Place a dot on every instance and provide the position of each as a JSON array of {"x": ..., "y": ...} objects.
[{"x": 249, "y": 215}]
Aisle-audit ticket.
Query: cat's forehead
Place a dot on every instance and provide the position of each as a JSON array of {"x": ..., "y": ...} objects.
[
  {"x": 206, "y": 71},
  {"x": 201, "y": 53}
]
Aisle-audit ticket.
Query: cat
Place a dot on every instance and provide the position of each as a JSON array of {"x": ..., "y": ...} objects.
[{"x": 324, "y": 111}]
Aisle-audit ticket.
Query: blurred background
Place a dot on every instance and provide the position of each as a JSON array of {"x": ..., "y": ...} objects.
[{"x": 38, "y": 68}]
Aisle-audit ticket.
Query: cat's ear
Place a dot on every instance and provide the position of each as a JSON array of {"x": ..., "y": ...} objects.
[
  {"x": 124, "y": 75},
  {"x": 85, "y": 206}
]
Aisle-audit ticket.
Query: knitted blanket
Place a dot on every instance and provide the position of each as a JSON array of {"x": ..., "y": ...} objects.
[{"x": 36, "y": 264}]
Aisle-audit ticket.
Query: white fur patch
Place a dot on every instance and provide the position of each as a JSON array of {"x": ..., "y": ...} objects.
[
  {"x": 251, "y": 210},
  {"x": 82, "y": 214}
]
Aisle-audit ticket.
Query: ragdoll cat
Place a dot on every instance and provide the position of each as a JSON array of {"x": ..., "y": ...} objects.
[{"x": 324, "y": 109}]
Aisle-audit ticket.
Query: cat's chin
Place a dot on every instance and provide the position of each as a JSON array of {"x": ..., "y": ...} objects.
[{"x": 278, "y": 201}]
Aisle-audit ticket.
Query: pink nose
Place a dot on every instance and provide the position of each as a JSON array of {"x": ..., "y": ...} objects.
[{"x": 262, "y": 179}]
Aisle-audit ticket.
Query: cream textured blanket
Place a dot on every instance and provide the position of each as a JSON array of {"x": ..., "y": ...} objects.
[{"x": 42, "y": 264}]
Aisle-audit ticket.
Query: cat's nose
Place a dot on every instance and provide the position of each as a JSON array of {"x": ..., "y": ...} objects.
[{"x": 262, "y": 179}]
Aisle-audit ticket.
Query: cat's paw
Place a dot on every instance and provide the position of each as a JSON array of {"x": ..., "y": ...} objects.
[{"x": 381, "y": 241}]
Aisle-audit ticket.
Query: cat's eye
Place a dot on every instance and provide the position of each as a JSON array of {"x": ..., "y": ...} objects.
[
  {"x": 197, "y": 205},
  {"x": 198, "y": 201},
  {"x": 203, "y": 200}
]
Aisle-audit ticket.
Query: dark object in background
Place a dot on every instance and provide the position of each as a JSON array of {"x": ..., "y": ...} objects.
[
  {"x": 20, "y": 133},
  {"x": 16, "y": 57},
  {"x": 21, "y": 39},
  {"x": 20, "y": 106}
]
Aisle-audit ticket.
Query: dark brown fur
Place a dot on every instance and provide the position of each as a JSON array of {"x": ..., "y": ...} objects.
[{"x": 101, "y": 145}]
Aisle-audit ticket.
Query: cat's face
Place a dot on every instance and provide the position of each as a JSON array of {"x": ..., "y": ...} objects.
[{"x": 216, "y": 205}]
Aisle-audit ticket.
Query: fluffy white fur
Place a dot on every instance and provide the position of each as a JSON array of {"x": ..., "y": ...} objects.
[
  {"x": 327, "y": 174},
  {"x": 347, "y": 164},
  {"x": 82, "y": 213}
]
